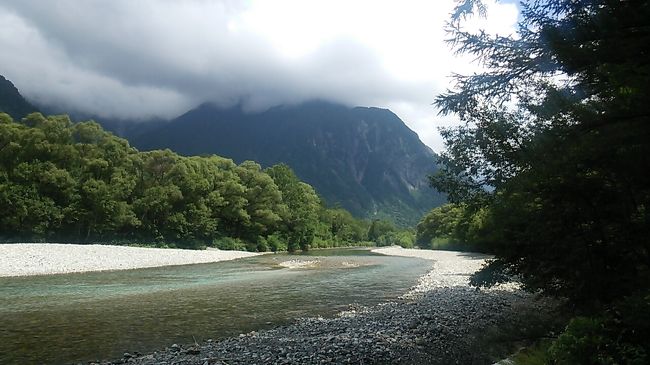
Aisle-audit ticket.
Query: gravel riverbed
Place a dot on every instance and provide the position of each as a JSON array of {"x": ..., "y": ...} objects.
[
  {"x": 26, "y": 259},
  {"x": 438, "y": 321}
]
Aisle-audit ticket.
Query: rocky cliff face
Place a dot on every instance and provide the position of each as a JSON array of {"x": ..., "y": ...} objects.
[{"x": 364, "y": 159}]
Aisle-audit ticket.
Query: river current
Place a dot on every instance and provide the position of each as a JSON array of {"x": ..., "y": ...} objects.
[{"x": 62, "y": 319}]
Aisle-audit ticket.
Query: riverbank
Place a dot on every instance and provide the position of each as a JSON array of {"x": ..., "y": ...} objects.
[
  {"x": 26, "y": 259},
  {"x": 451, "y": 268},
  {"x": 439, "y": 321}
]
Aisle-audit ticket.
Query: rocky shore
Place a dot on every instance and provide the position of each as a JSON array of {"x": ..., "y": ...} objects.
[{"x": 440, "y": 321}]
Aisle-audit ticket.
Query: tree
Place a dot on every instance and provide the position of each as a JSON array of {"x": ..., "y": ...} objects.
[
  {"x": 379, "y": 228},
  {"x": 301, "y": 217},
  {"x": 344, "y": 227},
  {"x": 79, "y": 183},
  {"x": 554, "y": 146},
  {"x": 440, "y": 223},
  {"x": 264, "y": 201}
]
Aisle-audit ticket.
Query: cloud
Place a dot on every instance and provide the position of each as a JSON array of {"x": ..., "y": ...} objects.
[{"x": 142, "y": 59}]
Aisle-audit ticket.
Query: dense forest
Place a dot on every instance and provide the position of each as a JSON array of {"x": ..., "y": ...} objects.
[
  {"x": 549, "y": 168},
  {"x": 75, "y": 182}
]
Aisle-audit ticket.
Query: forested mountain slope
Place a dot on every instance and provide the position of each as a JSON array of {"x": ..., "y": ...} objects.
[{"x": 365, "y": 159}]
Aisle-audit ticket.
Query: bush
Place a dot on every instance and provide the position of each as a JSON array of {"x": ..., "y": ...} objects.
[
  {"x": 292, "y": 246},
  {"x": 620, "y": 336},
  {"x": 262, "y": 244},
  {"x": 276, "y": 243},
  {"x": 321, "y": 243},
  {"x": 583, "y": 342},
  {"x": 229, "y": 243},
  {"x": 250, "y": 246},
  {"x": 406, "y": 239}
]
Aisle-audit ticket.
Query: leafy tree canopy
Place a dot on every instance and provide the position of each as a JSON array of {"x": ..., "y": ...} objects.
[
  {"x": 554, "y": 146},
  {"x": 77, "y": 183}
]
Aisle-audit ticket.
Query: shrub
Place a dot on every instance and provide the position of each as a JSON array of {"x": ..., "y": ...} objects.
[
  {"x": 620, "y": 336},
  {"x": 228, "y": 243},
  {"x": 583, "y": 342},
  {"x": 262, "y": 244},
  {"x": 276, "y": 243}
]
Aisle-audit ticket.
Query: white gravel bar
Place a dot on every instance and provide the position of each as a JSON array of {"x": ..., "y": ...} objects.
[
  {"x": 26, "y": 259},
  {"x": 450, "y": 268}
]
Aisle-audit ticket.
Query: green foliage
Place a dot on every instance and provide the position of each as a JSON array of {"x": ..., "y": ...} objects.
[
  {"x": 229, "y": 243},
  {"x": 379, "y": 228},
  {"x": 303, "y": 205},
  {"x": 77, "y": 183},
  {"x": 451, "y": 227},
  {"x": 439, "y": 224},
  {"x": 262, "y": 245},
  {"x": 620, "y": 336},
  {"x": 276, "y": 243},
  {"x": 554, "y": 150},
  {"x": 582, "y": 342},
  {"x": 342, "y": 227},
  {"x": 405, "y": 238},
  {"x": 554, "y": 147},
  {"x": 384, "y": 233}
]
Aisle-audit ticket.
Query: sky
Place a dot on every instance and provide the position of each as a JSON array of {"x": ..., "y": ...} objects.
[{"x": 137, "y": 60}]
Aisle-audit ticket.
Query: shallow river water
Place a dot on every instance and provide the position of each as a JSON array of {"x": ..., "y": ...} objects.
[{"x": 62, "y": 319}]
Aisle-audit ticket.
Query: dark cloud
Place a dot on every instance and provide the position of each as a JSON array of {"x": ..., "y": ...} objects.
[{"x": 138, "y": 59}]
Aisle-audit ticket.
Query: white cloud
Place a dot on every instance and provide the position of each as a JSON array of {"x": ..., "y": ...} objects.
[{"x": 137, "y": 59}]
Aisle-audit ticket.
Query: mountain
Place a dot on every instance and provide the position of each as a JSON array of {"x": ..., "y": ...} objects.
[
  {"x": 11, "y": 102},
  {"x": 363, "y": 159}
]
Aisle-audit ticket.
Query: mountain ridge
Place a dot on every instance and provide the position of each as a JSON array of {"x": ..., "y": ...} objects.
[
  {"x": 364, "y": 158},
  {"x": 12, "y": 102}
]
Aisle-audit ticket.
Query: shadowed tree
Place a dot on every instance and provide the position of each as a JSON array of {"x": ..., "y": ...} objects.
[{"x": 555, "y": 146}]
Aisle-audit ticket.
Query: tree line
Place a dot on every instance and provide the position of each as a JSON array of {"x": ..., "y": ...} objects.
[{"x": 74, "y": 182}]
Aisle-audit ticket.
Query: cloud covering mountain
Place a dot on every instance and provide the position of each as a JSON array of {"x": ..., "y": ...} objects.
[{"x": 143, "y": 59}]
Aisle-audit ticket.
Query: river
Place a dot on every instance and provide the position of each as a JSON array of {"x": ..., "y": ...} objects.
[{"x": 60, "y": 319}]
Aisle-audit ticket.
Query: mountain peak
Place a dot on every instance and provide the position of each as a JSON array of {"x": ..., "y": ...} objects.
[{"x": 11, "y": 102}]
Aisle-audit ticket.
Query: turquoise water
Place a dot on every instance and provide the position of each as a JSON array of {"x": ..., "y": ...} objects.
[{"x": 70, "y": 318}]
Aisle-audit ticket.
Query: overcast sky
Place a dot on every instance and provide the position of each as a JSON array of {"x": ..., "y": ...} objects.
[{"x": 141, "y": 59}]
